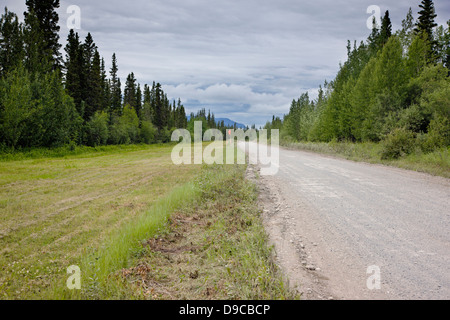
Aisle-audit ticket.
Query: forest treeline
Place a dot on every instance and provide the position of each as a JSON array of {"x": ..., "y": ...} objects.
[
  {"x": 47, "y": 100},
  {"x": 394, "y": 87}
]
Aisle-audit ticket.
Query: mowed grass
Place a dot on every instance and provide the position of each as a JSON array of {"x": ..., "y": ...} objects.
[{"x": 55, "y": 210}]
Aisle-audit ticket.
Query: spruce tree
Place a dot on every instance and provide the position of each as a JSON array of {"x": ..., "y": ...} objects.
[
  {"x": 426, "y": 23},
  {"x": 116, "y": 91},
  {"x": 426, "y": 18},
  {"x": 138, "y": 101},
  {"x": 129, "y": 94},
  {"x": 147, "y": 94},
  {"x": 158, "y": 107},
  {"x": 44, "y": 13},
  {"x": 90, "y": 79},
  {"x": 94, "y": 89},
  {"x": 11, "y": 42},
  {"x": 74, "y": 69},
  {"x": 386, "y": 29},
  {"x": 38, "y": 58},
  {"x": 89, "y": 49},
  {"x": 106, "y": 93}
]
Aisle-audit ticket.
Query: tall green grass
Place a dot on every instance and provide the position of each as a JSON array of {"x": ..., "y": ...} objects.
[{"x": 122, "y": 248}]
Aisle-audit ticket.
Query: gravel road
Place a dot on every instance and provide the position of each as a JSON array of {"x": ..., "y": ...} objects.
[{"x": 336, "y": 225}]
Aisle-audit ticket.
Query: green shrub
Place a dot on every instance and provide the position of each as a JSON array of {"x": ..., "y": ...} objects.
[
  {"x": 438, "y": 134},
  {"x": 97, "y": 130},
  {"x": 398, "y": 143},
  {"x": 147, "y": 132},
  {"x": 414, "y": 119},
  {"x": 118, "y": 134}
]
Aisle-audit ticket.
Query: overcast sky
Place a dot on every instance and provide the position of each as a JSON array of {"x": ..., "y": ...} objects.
[{"x": 243, "y": 59}]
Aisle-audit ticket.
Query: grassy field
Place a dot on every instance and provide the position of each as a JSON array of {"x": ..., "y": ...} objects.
[
  {"x": 138, "y": 227},
  {"x": 435, "y": 163},
  {"x": 54, "y": 210}
]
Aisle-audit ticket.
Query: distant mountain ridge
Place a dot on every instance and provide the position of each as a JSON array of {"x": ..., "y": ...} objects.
[
  {"x": 227, "y": 122},
  {"x": 230, "y": 123}
]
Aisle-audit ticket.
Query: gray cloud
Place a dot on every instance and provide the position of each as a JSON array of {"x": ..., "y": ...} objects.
[{"x": 239, "y": 58}]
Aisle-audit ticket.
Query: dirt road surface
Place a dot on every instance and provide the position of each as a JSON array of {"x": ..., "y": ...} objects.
[{"x": 340, "y": 228}]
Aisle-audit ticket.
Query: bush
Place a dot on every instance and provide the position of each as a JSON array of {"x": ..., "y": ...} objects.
[
  {"x": 97, "y": 130},
  {"x": 130, "y": 122},
  {"x": 398, "y": 143},
  {"x": 164, "y": 135},
  {"x": 147, "y": 132},
  {"x": 414, "y": 119},
  {"x": 438, "y": 134},
  {"x": 125, "y": 129},
  {"x": 118, "y": 134}
]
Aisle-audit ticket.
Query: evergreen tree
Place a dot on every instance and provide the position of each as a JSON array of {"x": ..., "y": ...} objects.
[
  {"x": 147, "y": 94},
  {"x": 147, "y": 109},
  {"x": 426, "y": 18},
  {"x": 386, "y": 28},
  {"x": 74, "y": 69},
  {"x": 106, "y": 93},
  {"x": 94, "y": 89},
  {"x": 38, "y": 58},
  {"x": 426, "y": 23},
  {"x": 11, "y": 42},
  {"x": 89, "y": 49},
  {"x": 116, "y": 90},
  {"x": 158, "y": 107},
  {"x": 129, "y": 94},
  {"x": 90, "y": 84},
  {"x": 138, "y": 101},
  {"x": 44, "y": 13}
]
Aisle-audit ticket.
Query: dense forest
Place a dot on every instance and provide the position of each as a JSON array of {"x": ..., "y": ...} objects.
[
  {"x": 395, "y": 88},
  {"x": 47, "y": 100}
]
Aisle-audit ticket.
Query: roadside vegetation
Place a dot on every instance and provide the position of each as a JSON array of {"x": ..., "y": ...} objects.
[
  {"x": 389, "y": 102},
  {"x": 435, "y": 163},
  {"x": 138, "y": 227},
  {"x": 209, "y": 243}
]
